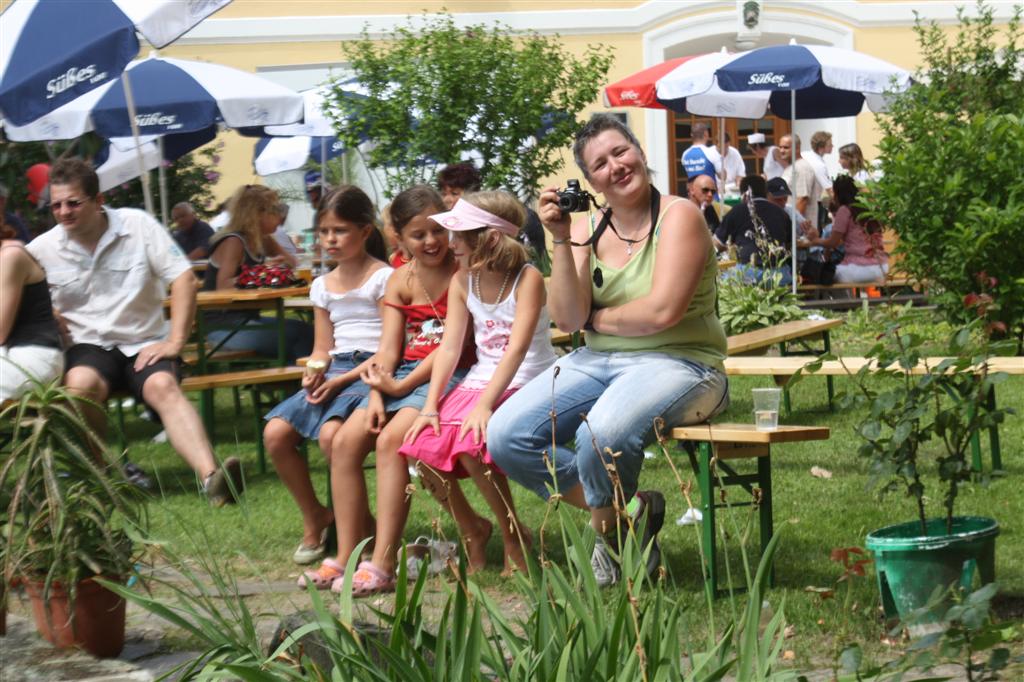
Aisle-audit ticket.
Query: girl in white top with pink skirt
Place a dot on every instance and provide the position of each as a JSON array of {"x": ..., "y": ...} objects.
[{"x": 505, "y": 299}]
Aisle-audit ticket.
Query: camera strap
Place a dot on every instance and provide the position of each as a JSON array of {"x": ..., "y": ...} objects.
[{"x": 606, "y": 219}]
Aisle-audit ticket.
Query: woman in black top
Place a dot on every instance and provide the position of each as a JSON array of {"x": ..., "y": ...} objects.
[
  {"x": 246, "y": 241},
  {"x": 30, "y": 342}
]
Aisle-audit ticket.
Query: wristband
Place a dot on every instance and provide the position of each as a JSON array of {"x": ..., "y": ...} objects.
[
  {"x": 429, "y": 414},
  {"x": 559, "y": 242}
]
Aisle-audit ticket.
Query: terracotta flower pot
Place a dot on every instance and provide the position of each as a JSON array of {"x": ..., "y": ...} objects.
[{"x": 98, "y": 625}]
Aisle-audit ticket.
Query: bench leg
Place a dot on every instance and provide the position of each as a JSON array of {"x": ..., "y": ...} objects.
[
  {"x": 706, "y": 481},
  {"x": 829, "y": 386},
  {"x": 257, "y": 404},
  {"x": 993, "y": 432},
  {"x": 206, "y": 412},
  {"x": 764, "y": 479}
]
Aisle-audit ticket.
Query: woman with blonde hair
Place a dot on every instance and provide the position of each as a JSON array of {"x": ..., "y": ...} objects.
[
  {"x": 247, "y": 240},
  {"x": 851, "y": 158}
]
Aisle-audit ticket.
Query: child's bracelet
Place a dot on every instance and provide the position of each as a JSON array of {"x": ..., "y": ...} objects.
[
  {"x": 559, "y": 242},
  {"x": 429, "y": 414}
]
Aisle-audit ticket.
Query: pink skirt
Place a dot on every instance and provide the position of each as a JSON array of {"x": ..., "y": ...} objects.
[{"x": 442, "y": 451}]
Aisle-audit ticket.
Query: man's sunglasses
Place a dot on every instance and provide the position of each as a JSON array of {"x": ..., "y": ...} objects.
[{"x": 72, "y": 204}]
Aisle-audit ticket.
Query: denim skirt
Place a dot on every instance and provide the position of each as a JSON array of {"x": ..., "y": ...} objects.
[
  {"x": 416, "y": 398},
  {"x": 307, "y": 418}
]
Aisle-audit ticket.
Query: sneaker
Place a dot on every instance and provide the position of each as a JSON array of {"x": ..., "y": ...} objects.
[
  {"x": 647, "y": 521},
  {"x": 136, "y": 476},
  {"x": 606, "y": 569},
  {"x": 225, "y": 484},
  {"x": 691, "y": 517}
]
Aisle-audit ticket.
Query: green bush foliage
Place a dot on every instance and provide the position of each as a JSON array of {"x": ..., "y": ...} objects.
[
  {"x": 951, "y": 155},
  {"x": 744, "y": 307},
  {"x": 438, "y": 90}
]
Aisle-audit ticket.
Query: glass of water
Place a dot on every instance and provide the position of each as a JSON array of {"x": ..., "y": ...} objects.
[{"x": 766, "y": 408}]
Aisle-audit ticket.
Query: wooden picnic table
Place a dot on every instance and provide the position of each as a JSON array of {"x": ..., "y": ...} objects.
[{"x": 233, "y": 300}]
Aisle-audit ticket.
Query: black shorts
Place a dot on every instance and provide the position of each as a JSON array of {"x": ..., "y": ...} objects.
[{"x": 116, "y": 368}]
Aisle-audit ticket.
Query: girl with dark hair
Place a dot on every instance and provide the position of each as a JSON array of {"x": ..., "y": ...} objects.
[
  {"x": 415, "y": 309},
  {"x": 347, "y": 318},
  {"x": 864, "y": 259}
]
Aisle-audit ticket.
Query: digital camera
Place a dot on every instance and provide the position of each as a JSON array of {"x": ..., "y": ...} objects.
[{"x": 573, "y": 199}]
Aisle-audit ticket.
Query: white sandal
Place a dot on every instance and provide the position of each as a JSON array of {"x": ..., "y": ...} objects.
[{"x": 438, "y": 553}]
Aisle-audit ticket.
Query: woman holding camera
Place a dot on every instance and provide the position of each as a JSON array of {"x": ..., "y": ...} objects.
[{"x": 640, "y": 277}]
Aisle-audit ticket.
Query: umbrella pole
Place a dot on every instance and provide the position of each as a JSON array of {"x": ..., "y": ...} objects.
[
  {"x": 162, "y": 174},
  {"x": 323, "y": 160},
  {"x": 147, "y": 193},
  {"x": 792, "y": 160}
]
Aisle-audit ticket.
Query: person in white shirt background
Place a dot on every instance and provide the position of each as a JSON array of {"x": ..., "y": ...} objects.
[
  {"x": 735, "y": 169},
  {"x": 821, "y": 144},
  {"x": 774, "y": 162}
]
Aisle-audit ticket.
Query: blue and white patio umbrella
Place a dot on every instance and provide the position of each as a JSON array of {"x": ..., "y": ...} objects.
[
  {"x": 278, "y": 154},
  {"x": 799, "y": 81},
  {"x": 118, "y": 161},
  {"x": 170, "y": 96},
  {"x": 53, "y": 51}
]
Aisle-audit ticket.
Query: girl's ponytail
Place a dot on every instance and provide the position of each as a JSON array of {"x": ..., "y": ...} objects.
[{"x": 375, "y": 245}]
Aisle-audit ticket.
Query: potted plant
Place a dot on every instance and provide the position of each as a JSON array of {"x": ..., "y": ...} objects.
[
  {"x": 69, "y": 515},
  {"x": 919, "y": 427}
]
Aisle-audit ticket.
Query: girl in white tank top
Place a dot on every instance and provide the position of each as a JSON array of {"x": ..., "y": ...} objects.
[{"x": 504, "y": 298}]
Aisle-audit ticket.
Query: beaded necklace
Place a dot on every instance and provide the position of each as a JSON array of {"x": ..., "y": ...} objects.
[{"x": 475, "y": 282}]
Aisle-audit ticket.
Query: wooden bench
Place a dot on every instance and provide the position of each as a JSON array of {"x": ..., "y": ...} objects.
[
  {"x": 716, "y": 445},
  {"x": 782, "y": 370},
  {"x": 253, "y": 379},
  {"x": 812, "y": 294}
]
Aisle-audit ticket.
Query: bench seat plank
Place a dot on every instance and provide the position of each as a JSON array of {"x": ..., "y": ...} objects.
[
  {"x": 747, "y": 433},
  {"x": 787, "y": 366},
  {"x": 252, "y": 377}
]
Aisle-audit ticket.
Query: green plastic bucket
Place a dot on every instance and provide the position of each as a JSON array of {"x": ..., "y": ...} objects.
[{"x": 910, "y": 565}]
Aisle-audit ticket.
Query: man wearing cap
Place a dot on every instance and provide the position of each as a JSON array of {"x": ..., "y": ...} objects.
[
  {"x": 752, "y": 241},
  {"x": 314, "y": 188},
  {"x": 803, "y": 183},
  {"x": 193, "y": 235},
  {"x": 702, "y": 158}
]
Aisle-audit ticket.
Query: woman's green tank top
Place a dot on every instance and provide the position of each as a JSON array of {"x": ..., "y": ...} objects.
[{"x": 697, "y": 336}]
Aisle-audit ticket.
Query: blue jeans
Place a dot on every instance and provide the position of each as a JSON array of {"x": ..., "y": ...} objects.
[
  {"x": 621, "y": 394},
  {"x": 260, "y": 335}
]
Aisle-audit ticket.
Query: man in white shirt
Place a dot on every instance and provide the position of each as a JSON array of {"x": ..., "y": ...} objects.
[
  {"x": 821, "y": 144},
  {"x": 774, "y": 159},
  {"x": 803, "y": 182},
  {"x": 108, "y": 271},
  {"x": 735, "y": 169}
]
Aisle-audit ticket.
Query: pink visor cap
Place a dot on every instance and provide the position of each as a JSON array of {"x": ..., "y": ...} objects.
[{"x": 465, "y": 216}]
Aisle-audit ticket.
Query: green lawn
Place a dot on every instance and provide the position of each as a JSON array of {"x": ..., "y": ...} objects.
[{"x": 815, "y": 515}]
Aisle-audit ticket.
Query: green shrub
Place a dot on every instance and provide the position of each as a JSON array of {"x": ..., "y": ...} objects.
[
  {"x": 951, "y": 155},
  {"x": 744, "y": 307}
]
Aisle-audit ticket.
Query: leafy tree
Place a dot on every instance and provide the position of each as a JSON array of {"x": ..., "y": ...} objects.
[
  {"x": 951, "y": 156},
  {"x": 438, "y": 91}
]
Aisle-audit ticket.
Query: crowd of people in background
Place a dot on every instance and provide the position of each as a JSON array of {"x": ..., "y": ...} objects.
[
  {"x": 429, "y": 341},
  {"x": 831, "y": 229}
]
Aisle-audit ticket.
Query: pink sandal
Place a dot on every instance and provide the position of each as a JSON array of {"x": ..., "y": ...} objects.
[
  {"x": 367, "y": 580},
  {"x": 324, "y": 576}
]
